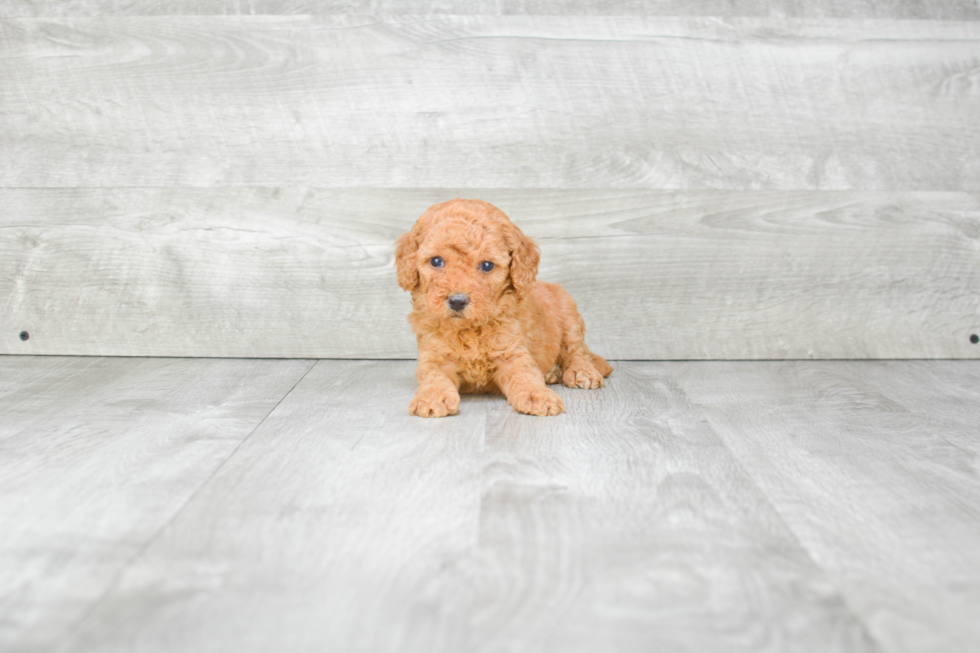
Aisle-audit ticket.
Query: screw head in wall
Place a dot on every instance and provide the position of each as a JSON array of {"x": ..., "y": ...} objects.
[{"x": 24, "y": 335}]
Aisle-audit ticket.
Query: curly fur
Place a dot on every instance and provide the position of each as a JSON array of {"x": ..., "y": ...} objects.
[{"x": 515, "y": 335}]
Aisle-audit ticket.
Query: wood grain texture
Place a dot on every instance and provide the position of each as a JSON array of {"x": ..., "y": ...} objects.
[
  {"x": 339, "y": 527},
  {"x": 303, "y": 272},
  {"x": 345, "y": 524},
  {"x": 696, "y": 506},
  {"x": 490, "y": 101},
  {"x": 873, "y": 466},
  {"x": 626, "y": 525},
  {"x": 96, "y": 456},
  {"x": 921, "y": 9}
]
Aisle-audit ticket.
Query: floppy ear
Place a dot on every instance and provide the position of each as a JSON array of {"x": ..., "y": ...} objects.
[
  {"x": 405, "y": 248},
  {"x": 524, "y": 258}
]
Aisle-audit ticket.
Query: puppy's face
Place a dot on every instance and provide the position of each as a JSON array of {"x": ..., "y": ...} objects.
[
  {"x": 463, "y": 270},
  {"x": 461, "y": 258}
]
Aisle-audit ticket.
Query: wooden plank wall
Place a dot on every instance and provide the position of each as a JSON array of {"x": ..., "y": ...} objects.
[{"x": 709, "y": 179}]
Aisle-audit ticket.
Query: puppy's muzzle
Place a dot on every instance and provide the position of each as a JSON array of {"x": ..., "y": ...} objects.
[{"x": 458, "y": 301}]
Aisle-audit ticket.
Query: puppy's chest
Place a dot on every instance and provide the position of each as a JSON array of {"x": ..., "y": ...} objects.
[{"x": 471, "y": 355}]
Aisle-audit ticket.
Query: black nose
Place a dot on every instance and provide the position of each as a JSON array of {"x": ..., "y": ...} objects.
[{"x": 458, "y": 301}]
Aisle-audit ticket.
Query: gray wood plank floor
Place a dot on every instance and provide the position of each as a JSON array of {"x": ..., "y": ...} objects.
[
  {"x": 96, "y": 456},
  {"x": 255, "y": 505}
]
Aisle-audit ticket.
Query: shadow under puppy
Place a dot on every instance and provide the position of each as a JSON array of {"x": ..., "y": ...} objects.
[{"x": 482, "y": 322}]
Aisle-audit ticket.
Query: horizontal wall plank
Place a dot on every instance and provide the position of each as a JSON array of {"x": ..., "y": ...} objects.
[
  {"x": 495, "y": 102},
  {"x": 921, "y": 9},
  {"x": 306, "y": 272}
]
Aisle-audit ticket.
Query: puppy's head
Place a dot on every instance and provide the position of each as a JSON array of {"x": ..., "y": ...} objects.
[{"x": 461, "y": 257}]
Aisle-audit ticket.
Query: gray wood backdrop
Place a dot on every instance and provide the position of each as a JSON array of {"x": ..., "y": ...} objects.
[{"x": 715, "y": 179}]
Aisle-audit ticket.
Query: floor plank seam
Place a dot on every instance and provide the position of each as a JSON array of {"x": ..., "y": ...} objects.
[
  {"x": 621, "y": 522},
  {"x": 73, "y": 632},
  {"x": 841, "y": 593},
  {"x": 828, "y": 577}
]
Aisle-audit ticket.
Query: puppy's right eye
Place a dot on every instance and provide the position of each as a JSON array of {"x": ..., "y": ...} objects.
[{"x": 437, "y": 262}]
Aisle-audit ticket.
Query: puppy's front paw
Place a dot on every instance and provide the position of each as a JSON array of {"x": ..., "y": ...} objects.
[
  {"x": 434, "y": 403},
  {"x": 583, "y": 376},
  {"x": 539, "y": 401}
]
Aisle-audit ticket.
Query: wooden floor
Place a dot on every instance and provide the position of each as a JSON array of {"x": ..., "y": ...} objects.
[{"x": 294, "y": 505}]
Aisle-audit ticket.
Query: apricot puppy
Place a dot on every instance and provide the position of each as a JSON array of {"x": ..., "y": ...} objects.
[{"x": 482, "y": 322}]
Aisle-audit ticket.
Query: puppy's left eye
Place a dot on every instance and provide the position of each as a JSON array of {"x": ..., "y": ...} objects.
[{"x": 486, "y": 266}]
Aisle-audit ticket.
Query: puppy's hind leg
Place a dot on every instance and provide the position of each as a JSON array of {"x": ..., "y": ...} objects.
[
  {"x": 605, "y": 369},
  {"x": 578, "y": 371},
  {"x": 580, "y": 368},
  {"x": 553, "y": 375}
]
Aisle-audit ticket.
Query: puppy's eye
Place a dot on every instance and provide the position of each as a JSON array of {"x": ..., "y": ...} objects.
[
  {"x": 486, "y": 266},
  {"x": 437, "y": 262}
]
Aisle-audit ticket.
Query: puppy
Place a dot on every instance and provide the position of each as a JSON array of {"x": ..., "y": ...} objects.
[{"x": 483, "y": 323}]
